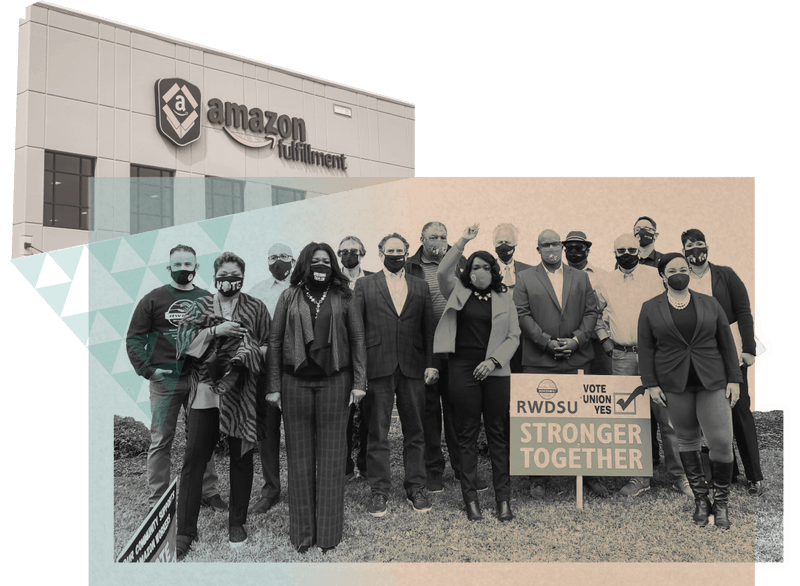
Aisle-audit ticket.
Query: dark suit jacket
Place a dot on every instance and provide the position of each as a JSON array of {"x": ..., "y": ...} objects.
[
  {"x": 541, "y": 318},
  {"x": 664, "y": 356},
  {"x": 728, "y": 289},
  {"x": 393, "y": 340}
]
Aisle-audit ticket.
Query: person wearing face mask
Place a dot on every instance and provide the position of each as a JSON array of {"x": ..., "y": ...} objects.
[
  {"x": 689, "y": 365},
  {"x": 576, "y": 251},
  {"x": 505, "y": 237},
  {"x": 281, "y": 262},
  {"x": 620, "y": 295},
  {"x": 150, "y": 342},
  {"x": 424, "y": 264},
  {"x": 398, "y": 324},
  {"x": 351, "y": 252},
  {"x": 480, "y": 331},
  {"x": 316, "y": 370},
  {"x": 557, "y": 311},
  {"x": 225, "y": 338},
  {"x": 645, "y": 232},
  {"x": 727, "y": 288}
]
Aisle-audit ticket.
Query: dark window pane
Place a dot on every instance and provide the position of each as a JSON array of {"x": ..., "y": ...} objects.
[
  {"x": 222, "y": 187},
  {"x": 48, "y": 161},
  {"x": 86, "y": 167},
  {"x": 222, "y": 206},
  {"x": 68, "y": 164},
  {"x": 67, "y": 189},
  {"x": 48, "y": 186},
  {"x": 134, "y": 223},
  {"x": 84, "y": 192},
  {"x": 150, "y": 203},
  {"x": 237, "y": 205},
  {"x": 48, "y": 215},
  {"x": 166, "y": 222},
  {"x": 209, "y": 205},
  {"x": 66, "y": 217},
  {"x": 147, "y": 223},
  {"x": 148, "y": 172},
  {"x": 84, "y": 219}
]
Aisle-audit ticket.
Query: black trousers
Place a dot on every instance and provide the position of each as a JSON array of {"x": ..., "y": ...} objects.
[
  {"x": 269, "y": 451},
  {"x": 203, "y": 435},
  {"x": 471, "y": 398},
  {"x": 744, "y": 430},
  {"x": 363, "y": 409},
  {"x": 437, "y": 407}
]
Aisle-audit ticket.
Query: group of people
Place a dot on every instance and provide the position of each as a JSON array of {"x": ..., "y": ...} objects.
[{"x": 322, "y": 342}]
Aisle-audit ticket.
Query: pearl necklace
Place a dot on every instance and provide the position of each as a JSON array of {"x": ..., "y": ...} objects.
[
  {"x": 482, "y": 297},
  {"x": 314, "y": 301},
  {"x": 679, "y": 304}
]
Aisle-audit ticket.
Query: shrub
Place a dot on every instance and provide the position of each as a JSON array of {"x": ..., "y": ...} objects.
[{"x": 131, "y": 437}]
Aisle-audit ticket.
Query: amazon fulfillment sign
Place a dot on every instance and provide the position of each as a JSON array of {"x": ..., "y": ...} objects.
[
  {"x": 178, "y": 112},
  {"x": 580, "y": 425}
]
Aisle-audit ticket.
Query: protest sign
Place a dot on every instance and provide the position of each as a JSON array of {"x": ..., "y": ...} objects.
[
  {"x": 154, "y": 540},
  {"x": 576, "y": 425}
]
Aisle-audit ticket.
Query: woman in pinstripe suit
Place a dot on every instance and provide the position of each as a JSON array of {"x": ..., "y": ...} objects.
[{"x": 316, "y": 370}]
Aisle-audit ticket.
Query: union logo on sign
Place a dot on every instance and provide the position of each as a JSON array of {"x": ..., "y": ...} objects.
[{"x": 178, "y": 110}]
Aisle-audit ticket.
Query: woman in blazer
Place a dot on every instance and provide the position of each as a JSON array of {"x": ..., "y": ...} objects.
[
  {"x": 479, "y": 328},
  {"x": 688, "y": 362},
  {"x": 316, "y": 370}
]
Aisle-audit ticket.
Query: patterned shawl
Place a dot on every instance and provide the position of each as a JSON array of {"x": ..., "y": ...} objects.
[{"x": 241, "y": 410}]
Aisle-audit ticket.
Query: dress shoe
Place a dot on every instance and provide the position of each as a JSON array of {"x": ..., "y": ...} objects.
[
  {"x": 303, "y": 549},
  {"x": 325, "y": 550},
  {"x": 635, "y": 486},
  {"x": 183, "y": 543},
  {"x": 434, "y": 483},
  {"x": 504, "y": 511},
  {"x": 264, "y": 504},
  {"x": 755, "y": 488},
  {"x": 215, "y": 503},
  {"x": 594, "y": 485},
  {"x": 473, "y": 511},
  {"x": 237, "y": 536}
]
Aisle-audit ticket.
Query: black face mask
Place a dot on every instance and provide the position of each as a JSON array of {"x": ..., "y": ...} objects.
[
  {"x": 350, "y": 260},
  {"x": 319, "y": 276},
  {"x": 394, "y": 262},
  {"x": 575, "y": 257},
  {"x": 697, "y": 256},
  {"x": 280, "y": 269},
  {"x": 645, "y": 239},
  {"x": 183, "y": 277},
  {"x": 628, "y": 261},
  {"x": 505, "y": 252},
  {"x": 228, "y": 286},
  {"x": 678, "y": 282}
]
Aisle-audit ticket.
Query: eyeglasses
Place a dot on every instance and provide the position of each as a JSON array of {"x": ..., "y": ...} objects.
[
  {"x": 349, "y": 251},
  {"x": 646, "y": 230},
  {"x": 273, "y": 258},
  {"x": 580, "y": 247},
  {"x": 551, "y": 245},
  {"x": 435, "y": 237},
  {"x": 621, "y": 251}
]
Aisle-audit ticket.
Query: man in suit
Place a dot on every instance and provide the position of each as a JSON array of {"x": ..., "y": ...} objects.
[
  {"x": 398, "y": 329},
  {"x": 351, "y": 252},
  {"x": 505, "y": 238},
  {"x": 281, "y": 262},
  {"x": 727, "y": 288},
  {"x": 557, "y": 311},
  {"x": 645, "y": 231},
  {"x": 425, "y": 264}
]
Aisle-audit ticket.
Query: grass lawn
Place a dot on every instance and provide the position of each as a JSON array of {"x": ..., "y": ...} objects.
[{"x": 654, "y": 527}]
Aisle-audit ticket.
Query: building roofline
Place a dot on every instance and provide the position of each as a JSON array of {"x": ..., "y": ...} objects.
[{"x": 71, "y": 12}]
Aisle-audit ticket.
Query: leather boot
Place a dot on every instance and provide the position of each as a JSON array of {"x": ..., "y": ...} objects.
[
  {"x": 693, "y": 467},
  {"x": 504, "y": 511},
  {"x": 474, "y": 511},
  {"x": 721, "y": 477}
]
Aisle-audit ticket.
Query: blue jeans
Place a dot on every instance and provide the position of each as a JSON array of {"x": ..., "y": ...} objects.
[{"x": 166, "y": 398}]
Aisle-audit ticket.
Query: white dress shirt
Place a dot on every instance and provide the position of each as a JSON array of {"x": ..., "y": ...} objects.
[
  {"x": 398, "y": 288},
  {"x": 507, "y": 270},
  {"x": 353, "y": 274},
  {"x": 268, "y": 291},
  {"x": 557, "y": 280}
]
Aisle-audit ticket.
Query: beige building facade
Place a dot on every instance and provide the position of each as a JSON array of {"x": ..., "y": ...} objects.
[{"x": 99, "y": 100}]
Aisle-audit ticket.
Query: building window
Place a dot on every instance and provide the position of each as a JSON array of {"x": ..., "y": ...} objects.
[
  {"x": 284, "y": 195},
  {"x": 151, "y": 198},
  {"x": 66, "y": 190},
  {"x": 223, "y": 197}
]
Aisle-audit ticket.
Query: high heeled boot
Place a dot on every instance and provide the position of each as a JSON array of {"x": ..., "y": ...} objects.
[
  {"x": 693, "y": 467},
  {"x": 721, "y": 478}
]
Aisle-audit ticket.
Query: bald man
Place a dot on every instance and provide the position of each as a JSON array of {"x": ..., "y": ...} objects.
[
  {"x": 620, "y": 295},
  {"x": 557, "y": 311}
]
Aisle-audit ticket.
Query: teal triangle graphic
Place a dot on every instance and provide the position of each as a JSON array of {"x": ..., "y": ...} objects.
[
  {"x": 161, "y": 273},
  {"x": 119, "y": 317},
  {"x": 30, "y": 266},
  {"x": 217, "y": 229},
  {"x": 55, "y": 295},
  {"x": 145, "y": 407},
  {"x": 105, "y": 251},
  {"x": 206, "y": 270},
  {"x": 130, "y": 383},
  {"x": 68, "y": 259},
  {"x": 79, "y": 324},
  {"x": 106, "y": 353},
  {"x": 143, "y": 244},
  {"x": 143, "y": 345},
  {"x": 130, "y": 280}
]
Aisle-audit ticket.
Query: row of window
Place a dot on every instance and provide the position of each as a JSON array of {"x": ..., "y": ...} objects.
[{"x": 68, "y": 200}]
